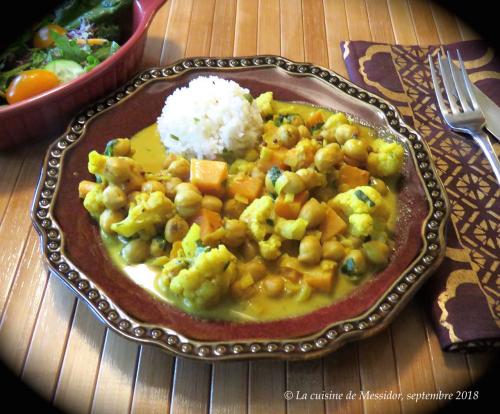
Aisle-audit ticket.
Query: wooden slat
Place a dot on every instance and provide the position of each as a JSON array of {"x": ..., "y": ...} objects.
[
  {"x": 336, "y": 31},
  {"x": 479, "y": 364},
  {"x": 49, "y": 338},
  {"x": 200, "y": 29},
  {"x": 191, "y": 390},
  {"x": 113, "y": 391},
  {"x": 413, "y": 359},
  {"x": 177, "y": 31},
  {"x": 402, "y": 23},
  {"x": 22, "y": 306},
  {"x": 245, "y": 36},
  {"x": 357, "y": 20},
  {"x": 156, "y": 37},
  {"x": 152, "y": 392},
  {"x": 11, "y": 162},
  {"x": 378, "y": 373},
  {"x": 315, "y": 44},
  {"x": 446, "y": 24},
  {"x": 269, "y": 27},
  {"x": 378, "y": 16},
  {"x": 423, "y": 22},
  {"x": 229, "y": 387},
  {"x": 223, "y": 28},
  {"x": 76, "y": 383},
  {"x": 305, "y": 379},
  {"x": 16, "y": 221},
  {"x": 341, "y": 375},
  {"x": 467, "y": 32},
  {"x": 266, "y": 386},
  {"x": 292, "y": 31}
]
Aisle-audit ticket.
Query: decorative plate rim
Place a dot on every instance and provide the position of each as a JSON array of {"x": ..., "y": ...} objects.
[{"x": 307, "y": 347}]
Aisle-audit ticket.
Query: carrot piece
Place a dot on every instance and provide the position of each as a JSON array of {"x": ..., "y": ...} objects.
[
  {"x": 314, "y": 119},
  {"x": 291, "y": 210},
  {"x": 353, "y": 176},
  {"x": 320, "y": 279},
  {"x": 208, "y": 175},
  {"x": 247, "y": 187},
  {"x": 208, "y": 220},
  {"x": 332, "y": 225}
]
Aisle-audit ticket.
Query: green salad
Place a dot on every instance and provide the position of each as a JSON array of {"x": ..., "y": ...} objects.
[{"x": 71, "y": 41}]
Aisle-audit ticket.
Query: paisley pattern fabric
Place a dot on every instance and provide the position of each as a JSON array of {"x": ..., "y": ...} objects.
[{"x": 465, "y": 291}]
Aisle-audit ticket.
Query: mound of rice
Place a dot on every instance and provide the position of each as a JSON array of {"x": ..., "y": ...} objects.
[{"x": 209, "y": 116}]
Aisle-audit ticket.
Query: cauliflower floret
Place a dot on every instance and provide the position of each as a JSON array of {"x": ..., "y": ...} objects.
[
  {"x": 361, "y": 199},
  {"x": 291, "y": 229},
  {"x": 361, "y": 224},
  {"x": 264, "y": 103},
  {"x": 386, "y": 158},
  {"x": 270, "y": 248},
  {"x": 93, "y": 202},
  {"x": 208, "y": 279},
  {"x": 146, "y": 212},
  {"x": 259, "y": 216}
]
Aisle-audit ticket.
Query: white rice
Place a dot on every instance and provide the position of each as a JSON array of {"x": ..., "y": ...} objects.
[{"x": 208, "y": 117}]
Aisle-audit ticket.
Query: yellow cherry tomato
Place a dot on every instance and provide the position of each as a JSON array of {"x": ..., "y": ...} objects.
[
  {"x": 30, "y": 83},
  {"x": 42, "y": 38}
]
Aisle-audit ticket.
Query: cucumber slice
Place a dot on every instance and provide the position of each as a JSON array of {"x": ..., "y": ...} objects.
[{"x": 65, "y": 70}]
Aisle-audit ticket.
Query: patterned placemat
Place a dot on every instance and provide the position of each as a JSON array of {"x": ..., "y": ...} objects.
[{"x": 465, "y": 291}]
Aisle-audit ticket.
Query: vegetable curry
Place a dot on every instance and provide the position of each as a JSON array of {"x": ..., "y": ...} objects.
[{"x": 294, "y": 225}]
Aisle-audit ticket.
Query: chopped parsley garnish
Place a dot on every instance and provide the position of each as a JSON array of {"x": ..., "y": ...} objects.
[
  {"x": 283, "y": 119},
  {"x": 248, "y": 97},
  {"x": 270, "y": 222},
  {"x": 274, "y": 173},
  {"x": 174, "y": 137},
  {"x": 109, "y": 148},
  {"x": 317, "y": 127},
  {"x": 363, "y": 197}
]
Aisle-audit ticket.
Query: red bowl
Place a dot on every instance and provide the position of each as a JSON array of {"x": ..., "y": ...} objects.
[{"x": 48, "y": 114}]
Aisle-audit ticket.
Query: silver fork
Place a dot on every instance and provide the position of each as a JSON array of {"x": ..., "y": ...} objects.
[{"x": 464, "y": 113}]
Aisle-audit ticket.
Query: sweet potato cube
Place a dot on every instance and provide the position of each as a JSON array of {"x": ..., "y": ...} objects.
[
  {"x": 247, "y": 187},
  {"x": 208, "y": 175},
  {"x": 332, "y": 225},
  {"x": 353, "y": 176}
]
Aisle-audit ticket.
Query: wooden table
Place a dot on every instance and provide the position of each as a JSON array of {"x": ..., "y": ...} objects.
[{"x": 53, "y": 342}]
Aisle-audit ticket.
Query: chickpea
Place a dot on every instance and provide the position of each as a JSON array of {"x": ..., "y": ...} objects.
[
  {"x": 311, "y": 177},
  {"x": 151, "y": 186},
  {"x": 344, "y": 132},
  {"x": 235, "y": 232},
  {"x": 187, "y": 202},
  {"x": 313, "y": 212},
  {"x": 233, "y": 208},
  {"x": 251, "y": 155},
  {"x": 117, "y": 170},
  {"x": 354, "y": 263},
  {"x": 328, "y": 157},
  {"x": 290, "y": 182},
  {"x": 114, "y": 197},
  {"x": 211, "y": 202},
  {"x": 109, "y": 217},
  {"x": 356, "y": 149},
  {"x": 287, "y": 135},
  {"x": 379, "y": 185},
  {"x": 135, "y": 251},
  {"x": 256, "y": 268},
  {"x": 85, "y": 187},
  {"x": 273, "y": 285},
  {"x": 333, "y": 250},
  {"x": 158, "y": 247},
  {"x": 171, "y": 187},
  {"x": 310, "y": 250},
  {"x": 304, "y": 131},
  {"x": 250, "y": 249},
  {"x": 122, "y": 147},
  {"x": 328, "y": 135},
  {"x": 376, "y": 252},
  {"x": 175, "y": 229},
  {"x": 179, "y": 168}
]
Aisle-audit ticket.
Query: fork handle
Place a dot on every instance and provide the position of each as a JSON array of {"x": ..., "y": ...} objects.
[{"x": 484, "y": 142}]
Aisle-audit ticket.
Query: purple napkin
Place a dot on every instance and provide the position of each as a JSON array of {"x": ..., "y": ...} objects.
[{"x": 465, "y": 290}]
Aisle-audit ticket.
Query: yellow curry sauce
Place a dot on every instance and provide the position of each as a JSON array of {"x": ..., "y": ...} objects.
[{"x": 296, "y": 296}]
